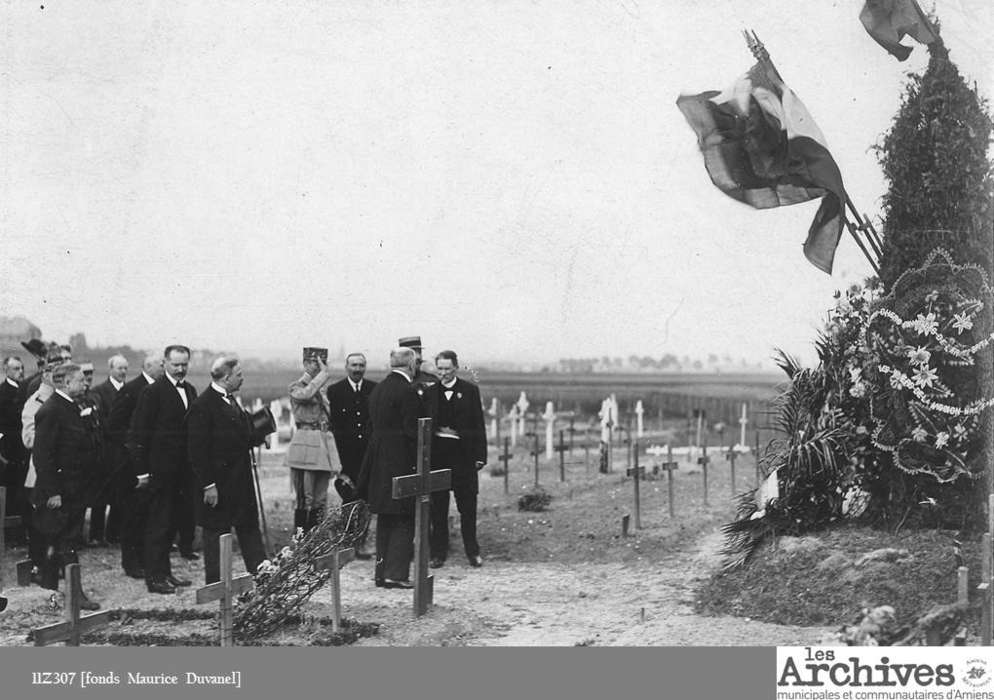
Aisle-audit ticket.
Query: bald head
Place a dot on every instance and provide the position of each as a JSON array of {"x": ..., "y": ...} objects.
[{"x": 117, "y": 367}]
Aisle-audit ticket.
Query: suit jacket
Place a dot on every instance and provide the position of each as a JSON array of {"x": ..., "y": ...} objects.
[
  {"x": 467, "y": 420},
  {"x": 104, "y": 394},
  {"x": 64, "y": 450},
  {"x": 218, "y": 440},
  {"x": 11, "y": 405},
  {"x": 119, "y": 421},
  {"x": 394, "y": 409},
  {"x": 350, "y": 422},
  {"x": 157, "y": 436}
]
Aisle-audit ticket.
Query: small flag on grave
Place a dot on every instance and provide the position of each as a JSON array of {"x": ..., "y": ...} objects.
[
  {"x": 763, "y": 148},
  {"x": 888, "y": 21}
]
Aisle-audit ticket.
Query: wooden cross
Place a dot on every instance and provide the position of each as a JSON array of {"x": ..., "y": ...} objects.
[
  {"x": 225, "y": 591},
  {"x": 572, "y": 431},
  {"x": 636, "y": 472},
  {"x": 669, "y": 465},
  {"x": 333, "y": 562},
  {"x": 704, "y": 461},
  {"x": 730, "y": 456},
  {"x": 420, "y": 486},
  {"x": 561, "y": 449},
  {"x": 75, "y": 625},
  {"x": 506, "y": 459}
]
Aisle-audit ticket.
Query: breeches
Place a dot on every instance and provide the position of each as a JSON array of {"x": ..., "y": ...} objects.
[{"x": 310, "y": 488}]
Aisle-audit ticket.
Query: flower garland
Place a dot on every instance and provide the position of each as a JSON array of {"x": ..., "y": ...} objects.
[{"x": 922, "y": 343}]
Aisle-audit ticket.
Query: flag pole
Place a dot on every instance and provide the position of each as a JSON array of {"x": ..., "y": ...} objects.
[{"x": 760, "y": 53}]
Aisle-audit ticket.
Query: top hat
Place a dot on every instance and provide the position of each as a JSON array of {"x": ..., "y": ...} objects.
[
  {"x": 36, "y": 347},
  {"x": 262, "y": 425},
  {"x": 411, "y": 341},
  {"x": 315, "y": 353}
]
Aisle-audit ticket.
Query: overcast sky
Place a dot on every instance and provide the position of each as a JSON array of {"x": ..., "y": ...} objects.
[{"x": 509, "y": 179}]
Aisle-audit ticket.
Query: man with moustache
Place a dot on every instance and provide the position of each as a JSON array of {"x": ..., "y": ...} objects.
[
  {"x": 104, "y": 394},
  {"x": 348, "y": 401},
  {"x": 394, "y": 410},
  {"x": 13, "y": 465},
  {"x": 459, "y": 443},
  {"x": 219, "y": 441},
  {"x": 134, "y": 494},
  {"x": 158, "y": 444},
  {"x": 64, "y": 450}
]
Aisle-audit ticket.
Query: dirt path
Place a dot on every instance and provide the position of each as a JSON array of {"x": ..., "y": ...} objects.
[{"x": 547, "y": 604}]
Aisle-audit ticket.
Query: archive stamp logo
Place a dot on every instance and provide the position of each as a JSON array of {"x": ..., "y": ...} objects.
[{"x": 977, "y": 673}]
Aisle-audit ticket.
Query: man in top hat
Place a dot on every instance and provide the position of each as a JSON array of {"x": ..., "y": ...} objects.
[
  {"x": 13, "y": 465},
  {"x": 312, "y": 455},
  {"x": 459, "y": 443},
  {"x": 394, "y": 410},
  {"x": 219, "y": 442},
  {"x": 64, "y": 451},
  {"x": 104, "y": 393},
  {"x": 158, "y": 445},
  {"x": 348, "y": 401}
]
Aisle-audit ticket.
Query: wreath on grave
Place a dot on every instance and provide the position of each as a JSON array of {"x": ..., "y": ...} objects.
[
  {"x": 924, "y": 342},
  {"x": 285, "y": 583}
]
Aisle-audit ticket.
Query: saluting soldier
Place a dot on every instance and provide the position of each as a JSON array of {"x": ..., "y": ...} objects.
[
  {"x": 312, "y": 455},
  {"x": 64, "y": 452}
]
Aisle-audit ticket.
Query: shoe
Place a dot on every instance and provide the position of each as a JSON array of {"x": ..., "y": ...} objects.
[
  {"x": 390, "y": 583},
  {"x": 190, "y": 556},
  {"x": 476, "y": 561},
  {"x": 178, "y": 582},
  {"x": 161, "y": 587},
  {"x": 135, "y": 573},
  {"x": 436, "y": 563},
  {"x": 379, "y": 583},
  {"x": 87, "y": 604}
]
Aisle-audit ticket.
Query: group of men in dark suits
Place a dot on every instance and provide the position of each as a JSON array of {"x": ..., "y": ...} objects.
[{"x": 459, "y": 443}]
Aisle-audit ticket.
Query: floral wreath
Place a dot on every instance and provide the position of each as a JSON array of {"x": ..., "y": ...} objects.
[{"x": 923, "y": 341}]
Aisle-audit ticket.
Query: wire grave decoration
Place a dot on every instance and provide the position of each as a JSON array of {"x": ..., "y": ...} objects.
[
  {"x": 926, "y": 340},
  {"x": 285, "y": 583}
]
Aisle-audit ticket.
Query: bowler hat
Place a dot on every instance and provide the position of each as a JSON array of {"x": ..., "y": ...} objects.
[
  {"x": 36, "y": 347},
  {"x": 411, "y": 341},
  {"x": 315, "y": 353},
  {"x": 87, "y": 367}
]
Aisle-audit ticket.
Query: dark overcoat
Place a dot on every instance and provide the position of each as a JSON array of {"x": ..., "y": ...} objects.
[
  {"x": 394, "y": 410},
  {"x": 157, "y": 438},
  {"x": 218, "y": 437}
]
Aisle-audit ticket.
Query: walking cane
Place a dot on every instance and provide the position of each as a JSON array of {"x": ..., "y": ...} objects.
[{"x": 261, "y": 506}]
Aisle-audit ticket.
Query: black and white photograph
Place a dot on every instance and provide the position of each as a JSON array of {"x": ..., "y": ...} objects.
[{"x": 497, "y": 324}]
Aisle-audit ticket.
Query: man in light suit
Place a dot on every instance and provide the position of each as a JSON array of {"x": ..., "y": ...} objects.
[
  {"x": 459, "y": 443},
  {"x": 219, "y": 442},
  {"x": 158, "y": 445}
]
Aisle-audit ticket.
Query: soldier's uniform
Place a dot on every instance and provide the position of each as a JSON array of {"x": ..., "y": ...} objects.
[{"x": 311, "y": 455}]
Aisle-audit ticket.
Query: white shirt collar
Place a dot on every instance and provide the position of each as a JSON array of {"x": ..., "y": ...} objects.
[
  {"x": 355, "y": 386},
  {"x": 448, "y": 387},
  {"x": 403, "y": 374},
  {"x": 64, "y": 395},
  {"x": 116, "y": 384},
  {"x": 221, "y": 390},
  {"x": 147, "y": 378},
  {"x": 13, "y": 383},
  {"x": 172, "y": 381}
]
